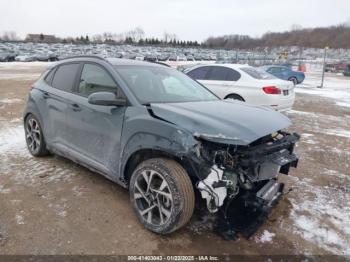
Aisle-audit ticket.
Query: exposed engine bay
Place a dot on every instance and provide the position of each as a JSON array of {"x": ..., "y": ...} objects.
[{"x": 246, "y": 175}]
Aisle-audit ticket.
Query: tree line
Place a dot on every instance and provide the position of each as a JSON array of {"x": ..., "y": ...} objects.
[
  {"x": 134, "y": 37},
  {"x": 333, "y": 36}
]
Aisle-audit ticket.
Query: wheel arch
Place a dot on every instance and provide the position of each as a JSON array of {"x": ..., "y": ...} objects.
[
  {"x": 143, "y": 154},
  {"x": 234, "y": 94}
]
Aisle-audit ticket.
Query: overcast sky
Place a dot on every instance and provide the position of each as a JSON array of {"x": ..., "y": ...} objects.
[{"x": 188, "y": 19}]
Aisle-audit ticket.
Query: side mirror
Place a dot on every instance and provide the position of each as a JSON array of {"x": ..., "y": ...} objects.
[{"x": 106, "y": 99}]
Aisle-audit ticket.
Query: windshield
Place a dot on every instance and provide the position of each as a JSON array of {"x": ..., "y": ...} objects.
[
  {"x": 257, "y": 73},
  {"x": 151, "y": 84}
]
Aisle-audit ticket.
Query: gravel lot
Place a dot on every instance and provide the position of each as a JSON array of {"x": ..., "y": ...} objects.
[{"x": 53, "y": 206}]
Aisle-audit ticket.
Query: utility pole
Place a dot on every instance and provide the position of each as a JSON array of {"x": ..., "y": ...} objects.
[{"x": 324, "y": 65}]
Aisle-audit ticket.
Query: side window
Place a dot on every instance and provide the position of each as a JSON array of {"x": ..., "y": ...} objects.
[
  {"x": 96, "y": 79},
  {"x": 65, "y": 76},
  {"x": 199, "y": 73},
  {"x": 49, "y": 76},
  {"x": 233, "y": 75},
  {"x": 220, "y": 73},
  {"x": 274, "y": 70}
]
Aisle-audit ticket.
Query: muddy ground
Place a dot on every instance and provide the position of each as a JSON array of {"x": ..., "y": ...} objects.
[{"x": 52, "y": 206}]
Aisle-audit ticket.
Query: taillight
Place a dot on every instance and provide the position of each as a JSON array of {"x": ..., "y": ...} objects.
[{"x": 272, "y": 90}]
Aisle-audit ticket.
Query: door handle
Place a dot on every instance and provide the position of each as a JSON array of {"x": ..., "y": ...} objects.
[
  {"x": 75, "y": 107},
  {"x": 46, "y": 95}
]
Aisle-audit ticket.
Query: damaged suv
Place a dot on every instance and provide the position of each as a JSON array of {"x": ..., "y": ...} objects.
[{"x": 162, "y": 135}]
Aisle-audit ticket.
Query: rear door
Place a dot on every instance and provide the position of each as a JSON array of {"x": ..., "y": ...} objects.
[
  {"x": 59, "y": 85},
  {"x": 94, "y": 131},
  {"x": 222, "y": 81}
]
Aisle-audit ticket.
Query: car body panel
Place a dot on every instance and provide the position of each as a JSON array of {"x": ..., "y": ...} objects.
[
  {"x": 101, "y": 126},
  {"x": 223, "y": 121}
]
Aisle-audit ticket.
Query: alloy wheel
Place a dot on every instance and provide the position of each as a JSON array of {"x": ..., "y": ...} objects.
[
  {"x": 153, "y": 197},
  {"x": 33, "y": 135}
]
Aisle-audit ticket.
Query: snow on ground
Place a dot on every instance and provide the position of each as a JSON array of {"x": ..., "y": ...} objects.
[
  {"x": 323, "y": 215},
  {"x": 10, "y": 100},
  {"x": 265, "y": 237},
  {"x": 323, "y": 218},
  {"x": 13, "y": 145},
  {"x": 24, "y": 65},
  {"x": 12, "y": 141},
  {"x": 337, "y": 132},
  {"x": 344, "y": 104},
  {"x": 335, "y": 88},
  {"x": 21, "y": 76}
]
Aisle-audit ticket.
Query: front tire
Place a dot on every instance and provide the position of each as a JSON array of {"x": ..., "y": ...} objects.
[
  {"x": 162, "y": 195},
  {"x": 34, "y": 136}
]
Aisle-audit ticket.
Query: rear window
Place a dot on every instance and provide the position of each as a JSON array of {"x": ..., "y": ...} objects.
[
  {"x": 257, "y": 73},
  {"x": 65, "y": 76}
]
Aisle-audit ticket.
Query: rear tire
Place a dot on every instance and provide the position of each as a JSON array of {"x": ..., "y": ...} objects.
[
  {"x": 34, "y": 137},
  {"x": 235, "y": 97},
  {"x": 162, "y": 195}
]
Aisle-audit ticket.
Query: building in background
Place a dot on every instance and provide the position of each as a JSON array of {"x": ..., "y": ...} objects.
[{"x": 41, "y": 38}]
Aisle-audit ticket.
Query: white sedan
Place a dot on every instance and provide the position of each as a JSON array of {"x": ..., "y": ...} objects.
[{"x": 245, "y": 83}]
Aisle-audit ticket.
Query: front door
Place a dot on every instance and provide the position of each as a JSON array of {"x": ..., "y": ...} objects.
[{"x": 94, "y": 131}]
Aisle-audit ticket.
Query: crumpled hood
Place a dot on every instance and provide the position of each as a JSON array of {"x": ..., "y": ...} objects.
[{"x": 230, "y": 122}]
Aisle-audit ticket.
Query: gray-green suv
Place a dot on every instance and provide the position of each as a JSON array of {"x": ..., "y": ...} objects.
[{"x": 154, "y": 130}]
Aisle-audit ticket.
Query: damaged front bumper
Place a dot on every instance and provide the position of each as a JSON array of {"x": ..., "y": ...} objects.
[
  {"x": 246, "y": 177},
  {"x": 247, "y": 212}
]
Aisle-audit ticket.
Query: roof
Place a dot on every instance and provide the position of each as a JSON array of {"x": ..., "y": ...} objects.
[
  {"x": 233, "y": 66},
  {"x": 112, "y": 61},
  {"x": 121, "y": 61}
]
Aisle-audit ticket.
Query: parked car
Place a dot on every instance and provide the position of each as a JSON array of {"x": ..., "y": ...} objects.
[
  {"x": 7, "y": 57},
  {"x": 25, "y": 58},
  {"x": 245, "y": 83},
  {"x": 341, "y": 67},
  {"x": 162, "y": 135},
  {"x": 285, "y": 73},
  {"x": 336, "y": 67},
  {"x": 329, "y": 68},
  {"x": 347, "y": 72}
]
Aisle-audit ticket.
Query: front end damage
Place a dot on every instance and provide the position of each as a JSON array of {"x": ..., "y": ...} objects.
[{"x": 240, "y": 183}]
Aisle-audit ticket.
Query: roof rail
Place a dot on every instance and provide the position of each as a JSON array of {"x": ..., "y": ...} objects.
[
  {"x": 159, "y": 63},
  {"x": 85, "y": 56}
]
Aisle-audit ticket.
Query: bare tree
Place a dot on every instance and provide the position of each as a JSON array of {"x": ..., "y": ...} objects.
[
  {"x": 10, "y": 36},
  {"x": 97, "y": 38}
]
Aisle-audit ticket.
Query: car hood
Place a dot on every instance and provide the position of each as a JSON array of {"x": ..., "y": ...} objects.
[{"x": 229, "y": 122}]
